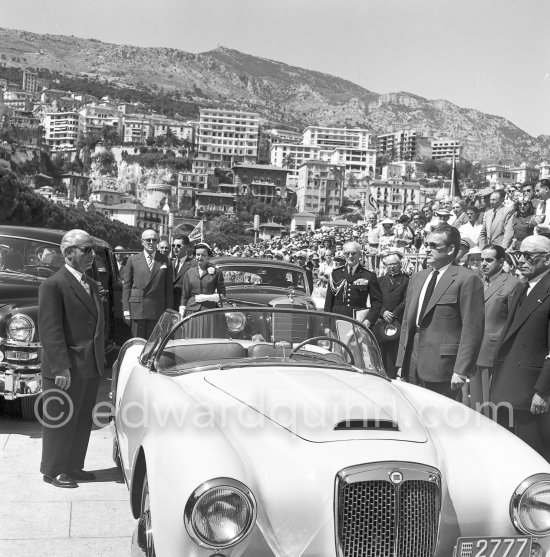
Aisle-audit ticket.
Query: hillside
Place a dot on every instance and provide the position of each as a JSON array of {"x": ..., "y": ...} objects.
[{"x": 282, "y": 94}]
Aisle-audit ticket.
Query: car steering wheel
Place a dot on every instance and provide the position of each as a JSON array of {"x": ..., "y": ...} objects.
[{"x": 323, "y": 337}]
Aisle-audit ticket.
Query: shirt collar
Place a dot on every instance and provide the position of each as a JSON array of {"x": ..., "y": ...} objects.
[
  {"x": 147, "y": 255},
  {"x": 534, "y": 281},
  {"x": 76, "y": 274},
  {"x": 443, "y": 269}
]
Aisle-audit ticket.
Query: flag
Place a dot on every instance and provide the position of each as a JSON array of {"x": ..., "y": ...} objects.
[
  {"x": 370, "y": 202},
  {"x": 455, "y": 186},
  {"x": 197, "y": 232}
]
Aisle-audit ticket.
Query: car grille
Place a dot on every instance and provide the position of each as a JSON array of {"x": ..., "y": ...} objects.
[
  {"x": 290, "y": 327},
  {"x": 384, "y": 519}
]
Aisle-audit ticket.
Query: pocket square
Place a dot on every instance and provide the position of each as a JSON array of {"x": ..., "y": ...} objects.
[{"x": 163, "y": 267}]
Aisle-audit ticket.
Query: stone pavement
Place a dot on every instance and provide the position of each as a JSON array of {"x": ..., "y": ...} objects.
[{"x": 36, "y": 518}]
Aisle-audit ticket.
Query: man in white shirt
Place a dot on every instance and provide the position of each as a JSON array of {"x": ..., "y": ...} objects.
[{"x": 542, "y": 211}]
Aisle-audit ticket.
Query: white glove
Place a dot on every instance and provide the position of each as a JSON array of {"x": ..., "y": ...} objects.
[
  {"x": 199, "y": 298},
  {"x": 182, "y": 310}
]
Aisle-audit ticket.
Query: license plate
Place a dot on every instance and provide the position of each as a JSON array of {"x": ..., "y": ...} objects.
[
  {"x": 519, "y": 546},
  {"x": 22, "y": 356}
]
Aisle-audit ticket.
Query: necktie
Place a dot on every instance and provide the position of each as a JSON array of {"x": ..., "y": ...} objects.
[
  {"x": 523, "y": 294},
  {"x": 428, "y": 295},
  {"x": 85, "y": 285},
  {"x": 150, "y": 262},
  {"x": 486, "y": 283},
  {"x": 176, "y": 266}
]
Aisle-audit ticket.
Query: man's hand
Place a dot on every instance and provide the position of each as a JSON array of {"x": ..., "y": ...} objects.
[
  {"x": 457, "y": 381},
  {"x": 539, "y": 405},
  {"x": 127, "y": 318},
  {"x": 63, "y": 379},
  {"x": 388, "y": 316}
]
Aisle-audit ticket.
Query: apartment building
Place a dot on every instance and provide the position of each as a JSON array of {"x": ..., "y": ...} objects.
[
  {"x": 500, "y": 174},
  {"x": 225, "y": 137},
  {"x": 93, "y": 118},
  {"x": 292, "y": 156},
  {"x": 266, "y": 182},
  {"x": 398, "y": 146},
  {"x": 525, "y": 173},
  {"x": 445, "y": 149},
  {"x": 137, "y": 129},
  {"x": 61, "y": 130},
  {"x": 319, "y": 187},
  {"x": 182, "y": 130},
  {"x": 18, "y": 100},
  {"x": 357, "y": 161},
  {"x": 544, "y": 170},
  {"x": 393, "y": 196},
  {"x": 135, "y": 214},
  {"x": 411, "y": 170},
  {"x": 30, "y": 81},
  {"x": 328, "y": 137}
]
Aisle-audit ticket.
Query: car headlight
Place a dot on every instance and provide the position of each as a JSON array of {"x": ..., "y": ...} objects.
[
  {"x": 530, "y": 506},
  {"x": 20, "y": 327},
  {"x": 220, "y": 513},
  {"x": 235, "y": 321}
]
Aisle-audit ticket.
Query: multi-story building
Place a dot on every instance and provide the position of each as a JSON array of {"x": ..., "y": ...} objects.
[
  {"x": 357, "y": 161},
  {"x": 263, "y": 181},
  {"x": 497, "y": 174},
  {"x": 226, "y": 137},
  {"x": 135, "y": 214},
  {"x": 525, "y": 173},
  {"x": 544, "y": 171},
  {"x": 107, "y": 196},
  {"x": 30, "y": 82},
  {"x": 93, "y": 118},
  {"x": 137, "y": 129},
  {"x": 328, "y": 137},
  {"x": 445, "y": 149},
  {"x": 292, "y": 156},
  {"x": 189, "y": 181},
  {"x": 410, "y": 170},
  {"x": 398, "y": 146},
  {"x": 19, "y": 100},
  {"x": 77, "y": 185},
  {"x": 222, "y": 200},
  {"x": 61, "y": 130},
  {"x": 50, "y": 95},
  {"x": 319, "y": 187},
  {"x": 182, "y": 130},
  {"x": 393, "y": 196}
]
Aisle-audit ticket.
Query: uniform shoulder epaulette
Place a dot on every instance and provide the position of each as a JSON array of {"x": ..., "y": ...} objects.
[{"x": 339, "y": 267}]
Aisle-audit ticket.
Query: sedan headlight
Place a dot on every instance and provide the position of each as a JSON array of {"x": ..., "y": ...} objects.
[
  {"x": 530, "y": 506},
  {"x": 235, "y": 321},
  {"x": 220, "y": 513},
  {"x": 21, "y": 328}
]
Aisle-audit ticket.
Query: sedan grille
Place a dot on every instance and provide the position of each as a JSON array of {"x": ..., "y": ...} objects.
[
  {"x": 384, "y": 517},
  {"x": 290, "y": 327}
]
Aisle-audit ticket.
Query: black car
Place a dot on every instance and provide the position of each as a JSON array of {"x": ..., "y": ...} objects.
[{"x": 27, "y": 257}]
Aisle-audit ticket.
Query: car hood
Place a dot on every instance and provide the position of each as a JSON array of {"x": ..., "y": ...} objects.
[
  {"x": 323, "y": 405},
  {"x": 264, "y": 295}
]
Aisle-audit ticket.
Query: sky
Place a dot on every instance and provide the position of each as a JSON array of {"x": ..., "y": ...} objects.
[{"x": 491, "y": 55}]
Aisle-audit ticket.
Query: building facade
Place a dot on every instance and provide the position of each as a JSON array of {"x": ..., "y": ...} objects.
[
  {"x": 61, "y": 130},
  {"x": 319, "y": 187},
  {"x": 398, "y": 146},
  {"x": 329, "y": 137},
  {"x": 446, "y": 148}
]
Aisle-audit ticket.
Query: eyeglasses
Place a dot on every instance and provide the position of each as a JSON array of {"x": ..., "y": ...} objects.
[
  {"x": 177, "y": 246},
  {"x": 431, "y": 245},
  {"x": 349, "y": 253},
  {"x": 149, "y": 240},
  {"x": 86, "y": 250},
  {"x": 527, "y": 255}
]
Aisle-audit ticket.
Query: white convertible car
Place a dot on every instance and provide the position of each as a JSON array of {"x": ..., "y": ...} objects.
[{"x": 261, "y": 432}]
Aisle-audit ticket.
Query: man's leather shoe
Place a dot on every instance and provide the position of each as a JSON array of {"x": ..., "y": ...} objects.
[
  {"x": 81, "y": 475},
  {"x": 61, "y": 480}
]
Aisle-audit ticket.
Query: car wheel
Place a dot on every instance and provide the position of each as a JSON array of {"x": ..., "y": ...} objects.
[
  {"x": 28, "y": 408},
  {"x": 144, "y": 532}
]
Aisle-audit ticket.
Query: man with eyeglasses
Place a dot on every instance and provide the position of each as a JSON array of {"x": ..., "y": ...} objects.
[
  {"x": 71, "y": 328},
  {"x": 350, "y": 287},
  {"x": 521, "y": 380},
  {"x": 181, "y": 262},
  {"x": 148, "y": 286},
  {"x": 443, "y": 321}
]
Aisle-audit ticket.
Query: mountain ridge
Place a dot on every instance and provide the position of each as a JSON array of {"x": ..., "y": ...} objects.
[{"x": 283, "y": 94}]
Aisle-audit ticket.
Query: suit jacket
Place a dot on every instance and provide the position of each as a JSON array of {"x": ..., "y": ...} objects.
[
  {"x": 211, "y": 282},
  {"x": 521, "y": 366},
  {"x": 146, "y": 294},
  {"x": 498, "y": 298},
  {"x": 497, "y": 228},
  {"x": 394, "y": 290},
  {"x": 451, "y": 330},
  {"x": 186, "y": 263},
  {"x": 344, "y": 295},
  {"x": 71, "y": 327}
]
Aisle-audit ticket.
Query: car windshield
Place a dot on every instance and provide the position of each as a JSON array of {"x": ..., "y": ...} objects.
[
  {"x": 229, "y": 338},
  {"x": 240, "y": 275},
  {"x": 32, "y": 257}
]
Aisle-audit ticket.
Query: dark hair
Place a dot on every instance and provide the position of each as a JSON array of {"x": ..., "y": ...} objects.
[
  {"x": 183, "y": 237},
  {"x": 501, "y": 193},
  {"x": 202, "y": 245},
  {"x": 452, "y": 234},
  {"x": 545, "y": 183},
  {"x": 404, "y": 219},
  {"x": 499, "y": 250},
  {"x": 472, "y": 208}
]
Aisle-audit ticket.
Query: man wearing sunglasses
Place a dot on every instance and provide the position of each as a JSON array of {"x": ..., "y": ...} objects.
[
  {"x": 148, "y": 286},
  {"x": 181, "y": 262},
  {"x": 521, "y": 379},
  {"x": 443, "y": 321},
  {"x": 71, "y": 328}
]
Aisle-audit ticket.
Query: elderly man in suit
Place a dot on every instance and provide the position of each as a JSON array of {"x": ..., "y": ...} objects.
[
  {"x": 351, "y": 285},
  {"x": 71, "y": 328},
  {"x": 148, "y": 287},
  {"x": 521, "y": 378},
  {"x": 181, "y": 262},
  {"x": 499, "y": 291},
  {"x": 443, "y": 320},
  {"x": 498, "y": 222},
  {"x": 394, "y": 288}
]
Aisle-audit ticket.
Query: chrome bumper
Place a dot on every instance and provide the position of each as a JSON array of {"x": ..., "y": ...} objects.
[{"x": 20, "y": 373}]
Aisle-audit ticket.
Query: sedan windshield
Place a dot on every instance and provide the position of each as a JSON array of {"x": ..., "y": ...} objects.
[
  {"x": 241, "y": 275},
  {"x": 236, "y": 337},
  {"x": 33, "y": 257}
]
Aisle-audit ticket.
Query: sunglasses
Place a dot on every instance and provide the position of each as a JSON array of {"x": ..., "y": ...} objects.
[
  {"x": 86, "y": 250},
  {"x": 149, "y": 240},
  {"x": 349, "y": 253},
  {"x": 431, "y": 245},
  {"x": 177, "y": 245},
  {"x": 527, "y": 255}
]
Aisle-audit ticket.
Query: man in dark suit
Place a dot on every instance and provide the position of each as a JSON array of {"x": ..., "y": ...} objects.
[
  {"x": 498, "y": 222},
  {"x": 181, "y": 262},
  {"x": 394, "y": 287},
  {"x": 148, "y": 287},
  {"x": 443, "y": 319},
  {"x": 301, "y": 259},
  {"x": 351, "y": 285},
  {"x": 71, "y": 329},
  {"x": 499, "y": 290},
  {"x": 521, "y": 379}
]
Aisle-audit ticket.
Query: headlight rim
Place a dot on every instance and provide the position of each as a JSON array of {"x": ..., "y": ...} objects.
[
  {"x": 31, "y": 327},
  {"x": 241, "y": 327},
  {"x": 517, "y": 498},
  {"x": 202, "y": 490}
]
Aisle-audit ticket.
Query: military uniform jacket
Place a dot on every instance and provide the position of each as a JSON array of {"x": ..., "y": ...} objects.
[{"x": 347, "y": 293}]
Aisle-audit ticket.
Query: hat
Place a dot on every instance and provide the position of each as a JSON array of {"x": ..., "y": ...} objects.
[
  {"x": 119, "y": 248},
  {"x": 467, "y": 242},
  {"x": 386, "y": 332},
  {"x": 301, "y": 254},
  {"x": 339, "y": 255},
  {"x": 387, "y": 221},
  {"x": 443, "y": 213},
  {"x": 315, "y": 256}
]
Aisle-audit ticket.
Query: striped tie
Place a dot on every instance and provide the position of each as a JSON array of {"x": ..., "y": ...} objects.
[{"x": 150, "y": 262}]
